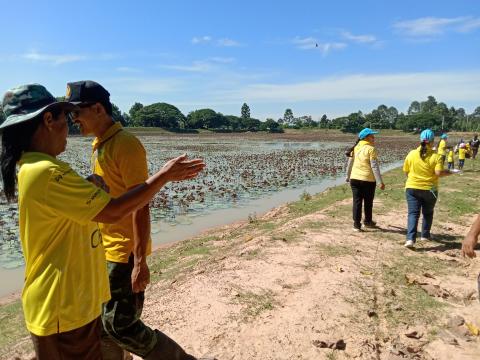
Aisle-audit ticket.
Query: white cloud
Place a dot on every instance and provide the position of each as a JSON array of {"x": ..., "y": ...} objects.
[
  {"x": 434, "y": 26},
  {"x": 227, "y": 42},
  {"x": 448, "y": 86},
  {"x": 363, "y": 39},
  {"x": 201, "y": 39},
  {"x": 201, "y": 66},
  {"x": 196, "y": 66},
  {"x": 311, "y": 43},
  {"x": 52, "y": 59},
  {"x": 470, "y": 25},
  {"x": 222, "y": 60},
  {"x": 142, "y": 85}
]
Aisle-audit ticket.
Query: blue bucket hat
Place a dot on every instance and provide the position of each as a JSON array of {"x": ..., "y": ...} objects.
[
  {"x": 427, "y": 135},
  {"x": 443, "y": 136},
  {"x": 365, "y": 132}
]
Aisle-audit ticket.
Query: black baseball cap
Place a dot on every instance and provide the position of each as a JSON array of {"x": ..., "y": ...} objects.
[{"x": 86, "y": 92}]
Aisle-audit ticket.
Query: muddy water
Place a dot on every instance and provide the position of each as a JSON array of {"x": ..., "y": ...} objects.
[{"x": 188, "y": 226}]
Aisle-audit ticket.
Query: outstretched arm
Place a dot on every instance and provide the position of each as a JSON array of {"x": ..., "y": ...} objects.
[{"x": 174, "y": 170}]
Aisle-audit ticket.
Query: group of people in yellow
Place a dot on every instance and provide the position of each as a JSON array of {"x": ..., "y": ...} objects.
[
  {"x": 463, "y": 150},
  {"x": 85, "y": 241},
  {"x": 423, "y": 167}
]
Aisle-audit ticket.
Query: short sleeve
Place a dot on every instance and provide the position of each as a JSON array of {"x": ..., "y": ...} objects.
[
  {"x": 72, "y": 196},
  {"x": 439, "y": 164},
  {"x": 131, "y": 158},
  {"x": 406, "y": 164}
]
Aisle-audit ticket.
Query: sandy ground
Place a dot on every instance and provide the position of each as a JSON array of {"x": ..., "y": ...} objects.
[{"x": 316, "y": 294}]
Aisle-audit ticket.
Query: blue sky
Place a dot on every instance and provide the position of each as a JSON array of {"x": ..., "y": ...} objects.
[{"x": 316, "y": 57}]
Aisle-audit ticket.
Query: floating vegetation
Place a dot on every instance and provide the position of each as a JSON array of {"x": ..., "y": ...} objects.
[{"x": 238, "y": 170}]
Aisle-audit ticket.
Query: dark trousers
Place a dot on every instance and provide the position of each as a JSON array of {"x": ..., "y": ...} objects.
[
  {"x": 79, "y": 344},
  {"x": 363, "y": 193},
  {"x": 121, "y": 316},
  {"x": 420, "y": 201},
  {"x": 122, "y": 327}
]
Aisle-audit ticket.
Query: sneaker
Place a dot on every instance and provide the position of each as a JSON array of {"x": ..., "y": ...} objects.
[
  {"x": 424, "y": 239},
  {"x": 409, "y": 244},
  {"x": 357, "y": 229},
  {"x": 371, "y": 224}
]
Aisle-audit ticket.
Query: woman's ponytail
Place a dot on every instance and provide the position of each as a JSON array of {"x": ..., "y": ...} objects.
[
  {"x": 349, "y": 152},
  {"x": 423, "y": 149},
  {"x": 15, "y": 140}
]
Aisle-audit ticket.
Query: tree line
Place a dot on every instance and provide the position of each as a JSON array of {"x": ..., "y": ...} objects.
[{"x": 420, "y": 115}]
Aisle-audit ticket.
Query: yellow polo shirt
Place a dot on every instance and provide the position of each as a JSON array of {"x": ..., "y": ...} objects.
[
  {"x": 421, "y": 172},
  {"x": 461, "y": 153},
  {"x": 362, "y": 154},
  {"x": 120, "y": 158},
  {"x": 441, "y": 147},
  {"x": 66, "y": 278},
  {"x": 450, "y": 156}
]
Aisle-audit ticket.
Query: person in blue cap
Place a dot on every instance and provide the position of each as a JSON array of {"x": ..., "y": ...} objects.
[
  {"x": 423, "y": 167},
  {"x": 363, "y": 173},
  {"x": 442, "y": 145}
]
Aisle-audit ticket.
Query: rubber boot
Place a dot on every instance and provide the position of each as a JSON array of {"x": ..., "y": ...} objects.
[{"x": 167, "y": 349}]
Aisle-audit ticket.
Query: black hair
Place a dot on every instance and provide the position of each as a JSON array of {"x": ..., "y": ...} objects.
[
  {"x": 16, "y": 139},
  {"x": 423, "y": 149},
  {"x": 349, "y": 152}
]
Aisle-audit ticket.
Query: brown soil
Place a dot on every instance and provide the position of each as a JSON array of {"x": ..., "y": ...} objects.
[{"x": 307, "y": 291}]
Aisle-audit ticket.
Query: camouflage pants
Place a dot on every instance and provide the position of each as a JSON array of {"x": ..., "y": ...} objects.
[{"x": 121, "y": 316}]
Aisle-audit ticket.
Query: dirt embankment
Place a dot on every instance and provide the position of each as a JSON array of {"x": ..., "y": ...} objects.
[{"x": 298, "y": 283}]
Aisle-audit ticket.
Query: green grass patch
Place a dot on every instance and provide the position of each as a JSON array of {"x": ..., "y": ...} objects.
[
  {"x": 415, "y": 305},
  {"x": 12, "y": 325},
  {"x": 332, "y": 250},
  {"x": 255, "y": 304},
  {"x": 319, "y": 201},
  {"x": 167, "y": 263}
]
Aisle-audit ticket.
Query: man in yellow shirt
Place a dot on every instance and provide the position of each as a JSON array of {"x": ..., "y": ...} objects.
[{"x": 119, "y": 157}]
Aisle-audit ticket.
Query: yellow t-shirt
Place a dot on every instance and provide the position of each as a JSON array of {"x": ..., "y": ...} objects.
[
  {"x": 461, "y": 153},
  {"x": 450, "y": 156},
  {"x": 120, "y": 158},
  {"x": 66, "y": 278},
  {"x": 441, "y": 147},
  {"x": 421, "y": 172},
  {"x": 362, "y": 154}
]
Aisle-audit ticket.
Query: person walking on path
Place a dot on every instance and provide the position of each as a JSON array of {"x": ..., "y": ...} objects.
[
  {"x": 120, "y": 159},
  {"x": 442, "y": 145},
  {"x": 475, "y": 144},
  {"x": 423, "y": 167},
  {"x": 363, "y": 173},
  {"x": 450, "y": 158},
  {"x": 66, "y": 279},
  {"x": 462, "y": 154}
]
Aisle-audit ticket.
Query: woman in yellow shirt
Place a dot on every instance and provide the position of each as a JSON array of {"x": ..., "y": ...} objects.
[
  {"x": 363, "y": 173},
  {"x": 423, "y": 167},
  {"x": 442, "y": 146},
  {"x": 462, "y": 154},
  {"x": 66, "y": 278}
]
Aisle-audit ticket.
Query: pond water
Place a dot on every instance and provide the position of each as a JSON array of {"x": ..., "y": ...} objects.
[{"x": 241, "y": 179}]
